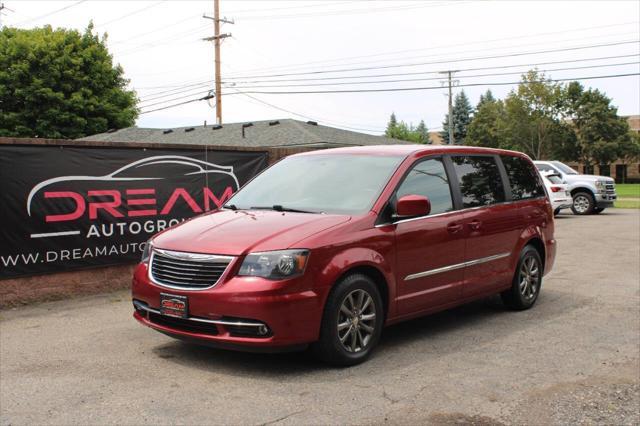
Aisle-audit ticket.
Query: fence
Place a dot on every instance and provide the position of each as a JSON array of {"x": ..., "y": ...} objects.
[{"x": 74, "y": 215}]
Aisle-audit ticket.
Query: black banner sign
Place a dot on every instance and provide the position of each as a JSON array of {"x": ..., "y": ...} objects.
[{"x": 73, "y": 207}]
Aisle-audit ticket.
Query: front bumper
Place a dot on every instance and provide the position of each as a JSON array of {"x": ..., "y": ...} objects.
[
  {"x": 232, "y": 313},
  {"x": 605, "y": 200}
]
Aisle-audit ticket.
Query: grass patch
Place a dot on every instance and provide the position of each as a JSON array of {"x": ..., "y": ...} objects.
[
  {"x": 628, "y": 190},
  {"x": 622, "y": 203},
  {"x": 628, "y": 196}
]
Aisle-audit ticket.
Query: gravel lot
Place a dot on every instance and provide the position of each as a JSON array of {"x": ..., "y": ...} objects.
[{"x": 574, "y": 358}]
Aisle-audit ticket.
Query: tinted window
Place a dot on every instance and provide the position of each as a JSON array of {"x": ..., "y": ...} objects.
[
  {"x": 523, "y": 178},
  {"x": 546, "y": 168},
  {"x": 428, "y": 178},
  {"x": 554, "y": 179},
  {"x": 479, "y": 179}
]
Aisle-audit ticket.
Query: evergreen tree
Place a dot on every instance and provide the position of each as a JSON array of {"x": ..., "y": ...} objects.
[
  {"x": 391, "y": 126},
  {"x": 422, "y": 133},
  {"x": 486, "y": 97},
  {"x": 461, "y": 118}
]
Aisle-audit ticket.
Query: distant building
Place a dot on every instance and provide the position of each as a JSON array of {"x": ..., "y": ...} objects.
[{"x": 283, "y": 133}]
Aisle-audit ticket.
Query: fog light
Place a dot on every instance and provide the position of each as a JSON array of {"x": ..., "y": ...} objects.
[{"x": 262, "y": 330}]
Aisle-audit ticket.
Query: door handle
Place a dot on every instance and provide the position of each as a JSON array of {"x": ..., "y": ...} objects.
[
  {"x": 454, "y": 227},
  {"x": 475, "y": 225}
]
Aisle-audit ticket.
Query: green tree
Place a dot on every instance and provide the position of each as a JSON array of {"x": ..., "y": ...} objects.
[
  {"x": 533, "y": 114},
  {"x": 392, "y": 126},
  {"x": 461, "y": 112},
  {"x": 601, "y": 134},
  {"x": 60, "y": 84},
  {"x": 487, "y": 127},
  {"x": 486, "y": 97},
  {"x": 629, "y": 148},
  {"x": 422, "y": 133}
]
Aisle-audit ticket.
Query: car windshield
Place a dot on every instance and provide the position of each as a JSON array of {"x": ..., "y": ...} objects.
[
  {"x": 564, "y": 168},
  {"x": 328, "y": 183}
]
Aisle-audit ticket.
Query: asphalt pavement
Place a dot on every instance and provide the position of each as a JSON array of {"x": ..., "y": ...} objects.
[{"x": 573, "y": 358}]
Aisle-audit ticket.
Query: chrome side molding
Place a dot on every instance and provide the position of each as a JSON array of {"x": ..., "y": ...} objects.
[{"x": 456, "y": 266}]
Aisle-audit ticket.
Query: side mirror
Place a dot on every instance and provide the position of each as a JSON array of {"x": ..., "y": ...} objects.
[{"x": 410, "y": 206}]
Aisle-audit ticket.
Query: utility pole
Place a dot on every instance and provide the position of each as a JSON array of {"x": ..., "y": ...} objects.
[
  {"x": 450, "y": 84},
  {"x": 217, "y": 37}
]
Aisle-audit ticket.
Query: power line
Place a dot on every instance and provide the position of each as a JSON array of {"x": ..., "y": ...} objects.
[
  {"x": 197, "y": 90},
  {"x": 360, "y": 11},
  {"x": 309, "y": 118},
  {"x": 396, "y": 89},
  {"x": 127, "y": 15},
  {"x": 405, "y": 89},
  {"x": 50, "y": 13},
  {"x": 566, "y": 49},
  {"x": 180, "y": 88},
  {"x": 178, "y": 104},
  {"x": 436, "y": 72},
  {"x": 435, "y": 78},
  {"x": 466, "y": 43}
]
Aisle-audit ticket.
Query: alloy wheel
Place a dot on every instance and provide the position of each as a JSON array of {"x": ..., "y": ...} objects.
[
  {"x": 356, "y": 320},
  {"x": 529, "y": 278},
  {"x": 581, "y": 203}
]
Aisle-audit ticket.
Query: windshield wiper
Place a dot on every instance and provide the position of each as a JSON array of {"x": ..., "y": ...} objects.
[
  {"x": 230, "y": 207},
  {"x": 279, "y": 208}
]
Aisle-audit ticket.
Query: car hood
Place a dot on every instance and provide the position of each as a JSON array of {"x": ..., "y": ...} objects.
[
  {"x": 234, "y": 233},
  {"x": 589, "y": 178}
]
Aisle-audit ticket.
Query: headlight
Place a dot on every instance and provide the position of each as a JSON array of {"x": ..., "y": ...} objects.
[
  {"x": 275, "y": 265},
  {"x": 146, "y": 252},
  {"x": 601, "y": 185}
]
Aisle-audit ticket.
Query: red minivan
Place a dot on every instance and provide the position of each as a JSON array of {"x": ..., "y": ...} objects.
[{"x": 327, "y": 247}]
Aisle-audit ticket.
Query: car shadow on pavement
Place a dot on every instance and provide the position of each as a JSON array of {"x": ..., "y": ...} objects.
[{"x": 432, "y": 336}]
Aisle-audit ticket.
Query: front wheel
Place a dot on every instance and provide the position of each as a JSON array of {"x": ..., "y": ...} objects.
[
  {"x": 583, "y": 203},
  {"x": 527, "y": 280},
  {"x": 351, "y": 323}
]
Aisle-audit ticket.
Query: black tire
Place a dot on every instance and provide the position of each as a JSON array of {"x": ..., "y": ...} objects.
[
  {"x": 556, "y": 212},
  {"x": 329, "y": 348},
  {"x": 583, "y": 203},
  {"x": 598, "y": 210},
  {"x": 522, "y": 295}
]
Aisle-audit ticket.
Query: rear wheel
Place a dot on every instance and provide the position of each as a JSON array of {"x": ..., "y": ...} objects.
[
  {"x": 352, "y": 322},
  {"x": 583, "y": 203},
  {"x": 556, "y": 212},
  {"x": 527, "y": 280}
]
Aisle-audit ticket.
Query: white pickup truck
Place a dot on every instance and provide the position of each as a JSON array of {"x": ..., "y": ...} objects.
[{"x": 591, "y": 194}]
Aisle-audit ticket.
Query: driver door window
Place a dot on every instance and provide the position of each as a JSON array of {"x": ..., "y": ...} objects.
[{"x": 429, "y": 179}]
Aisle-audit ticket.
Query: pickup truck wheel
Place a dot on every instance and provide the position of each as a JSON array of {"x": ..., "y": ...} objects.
[
  {"x": 527, "y": 280},
  {"x": 598, "y": 210},
  {"x": 351, "y": 323},
  {"x": 583, "y": 203},
  {"x": 556, "y": 212}
]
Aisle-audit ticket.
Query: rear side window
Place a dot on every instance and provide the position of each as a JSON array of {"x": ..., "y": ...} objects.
[
  {"x": 523, "y": 178},
  {"x": 554, "y": 179},
  {"x": 428, "y": 178},
  {"x": 479, "y": 179}
]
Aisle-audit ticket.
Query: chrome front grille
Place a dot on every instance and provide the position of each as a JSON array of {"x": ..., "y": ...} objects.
[
  {"x": 182, "y": 270},
  {"x": 610, "y": 187}
]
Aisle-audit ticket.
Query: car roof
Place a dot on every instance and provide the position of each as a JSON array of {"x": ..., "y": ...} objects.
[{"x": 412, "y": 150}]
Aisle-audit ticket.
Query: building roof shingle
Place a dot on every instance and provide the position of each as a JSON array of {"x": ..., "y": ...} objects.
[{"x": 281, "y": 133}]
